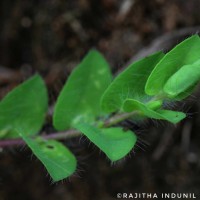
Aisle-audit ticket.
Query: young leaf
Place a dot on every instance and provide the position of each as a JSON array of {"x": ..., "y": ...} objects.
[
  {"x": 25, "y": 106},
  {"x": 58, "y": 160},
  {"x": 186, "y": 93},
  {"x": 114, "y": 142},
  {"x": 154, "y": 105},
  {"x": 79, "y": 99},
  {"x": 171, "y": 116},
  {"x": 185, "y": 53},
  {"x": 185, "y": 78},
  {"x": 130, "y": 84}
]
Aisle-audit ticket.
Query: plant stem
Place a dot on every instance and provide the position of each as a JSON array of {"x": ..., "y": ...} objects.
[
  {"x": 118, "y": 118},
  {"x": 56, "y": 136},
  {"x": 69, "y": 133}
]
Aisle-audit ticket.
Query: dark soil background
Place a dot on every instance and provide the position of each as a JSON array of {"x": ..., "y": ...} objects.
[{"x": 50, "y": 37}]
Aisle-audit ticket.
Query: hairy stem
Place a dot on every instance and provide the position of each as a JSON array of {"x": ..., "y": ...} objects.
[
  {"x": 69, "y": 133},
  {"x": 56, "y": 136},
  {"x": 118, "y": 118}
]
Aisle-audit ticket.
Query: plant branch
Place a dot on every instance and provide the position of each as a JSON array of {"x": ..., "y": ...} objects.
[
  {"x": 56, "y": 136},
  {"x": 69, "y": 133},
  {"x": 118, "y": 118}
]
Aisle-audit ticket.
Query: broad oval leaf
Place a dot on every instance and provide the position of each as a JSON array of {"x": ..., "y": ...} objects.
[
  {"x": 58, "y": 160},
  {"x": 169, "y": 115},
  {"x": 130, "y": 84},
  {"x": 25, "y": 106},
  {"x": 114, "y": 142},
  {"x": 185, "y": 78},
  {"x": 79, "y": 99},
  {"x": 187, "y": 52}
]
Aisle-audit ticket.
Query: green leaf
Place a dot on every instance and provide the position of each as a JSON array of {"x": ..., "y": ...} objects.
[
  {"x": 25, "y": 106},
  {"x": 185, "y": 53},
  {"x": 79, "y": 99},
  {"x": 171, "y": 116},
  {"x": 186, "y": 93},
  {"x": 130, "y": 84},
  {"x": 154, "y": 105},
  {"x": 114, "y": 142},
  {"x": 184, "y": 80},
  {"x": 58, "y": 160}
]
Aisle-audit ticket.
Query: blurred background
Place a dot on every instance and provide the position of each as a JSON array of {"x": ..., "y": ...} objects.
[{"x": 50, "y": 37}]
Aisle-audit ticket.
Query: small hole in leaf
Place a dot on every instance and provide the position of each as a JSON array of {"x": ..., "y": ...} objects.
[{"x": 50, "y": 147}]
